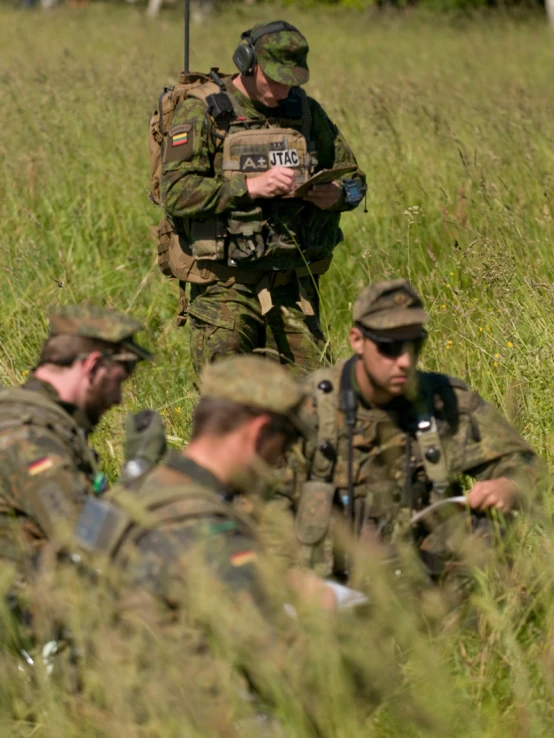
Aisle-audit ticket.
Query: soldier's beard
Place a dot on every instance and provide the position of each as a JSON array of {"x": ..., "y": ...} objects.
[{"x": 97, "y": 403}]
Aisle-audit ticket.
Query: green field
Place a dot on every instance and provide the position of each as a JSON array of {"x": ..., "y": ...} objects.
[{"x": 453, "y": 122}]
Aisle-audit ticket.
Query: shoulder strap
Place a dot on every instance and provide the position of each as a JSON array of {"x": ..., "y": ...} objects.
[
  {"x": 349, "y": 406},
  {"x": 325, "y": 395},
  {"x": 430, "y": 442},
  {"x": 49, "y": 413},
  {"x": 104, "y": 527},
  {"x": 307, "y": 120},
  {"x": 199, "y": 474},
  {"x": 203, "y": 92}
]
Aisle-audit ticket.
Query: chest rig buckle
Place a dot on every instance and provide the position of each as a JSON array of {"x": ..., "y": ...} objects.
[{"x": 432, "y": 453}]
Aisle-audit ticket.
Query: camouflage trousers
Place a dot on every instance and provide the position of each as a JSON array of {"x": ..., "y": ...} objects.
[{"x": 226, "y": 318}]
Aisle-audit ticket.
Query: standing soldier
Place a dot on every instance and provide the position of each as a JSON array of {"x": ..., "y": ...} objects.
[
  {"x": 388, "y": 439},
  {"x": 254, "y": 232},
  {"x": 47, "y": 467}
]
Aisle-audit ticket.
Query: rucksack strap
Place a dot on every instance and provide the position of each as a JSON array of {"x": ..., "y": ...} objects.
[
  {"x": 349, "y": 406},
  {"x": 307, "y": 120}
]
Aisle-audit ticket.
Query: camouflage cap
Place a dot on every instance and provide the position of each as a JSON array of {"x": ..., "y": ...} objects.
[
  {"x": 91, "y": 321},
  {"x": 282, "y": 55},
  {"x": 391, "y": 304},
  {"x": 256, "y": 382}
]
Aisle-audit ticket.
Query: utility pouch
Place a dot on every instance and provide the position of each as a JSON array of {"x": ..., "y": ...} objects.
[
  {"x": 314, "y": 512},
  {"x": 207, "y": 239},
  {"x": 246, "y": 242},
  {"x": 163, "y": 233}
]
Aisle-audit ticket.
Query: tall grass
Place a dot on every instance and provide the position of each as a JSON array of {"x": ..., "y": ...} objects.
[{"x": 454, "y": 125}]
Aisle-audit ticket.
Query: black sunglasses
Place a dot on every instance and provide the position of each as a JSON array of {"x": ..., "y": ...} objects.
[{"x": 392, "y": 348}]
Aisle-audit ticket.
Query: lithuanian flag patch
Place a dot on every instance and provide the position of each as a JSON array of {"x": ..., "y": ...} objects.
[
  {"x": 240, "y": 558},
  {"x": 41, "y": 465},
  {"x": 180, "y": 138}
]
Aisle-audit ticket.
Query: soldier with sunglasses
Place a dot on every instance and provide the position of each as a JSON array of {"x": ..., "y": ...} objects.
[{"x": 388, "y": 439}]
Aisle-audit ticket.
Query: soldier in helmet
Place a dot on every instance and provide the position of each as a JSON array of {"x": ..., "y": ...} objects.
[
  {"x": 254, "y": 236},
  {"x": 47, "y": 467},
  {"x": 387, "y": 439}
]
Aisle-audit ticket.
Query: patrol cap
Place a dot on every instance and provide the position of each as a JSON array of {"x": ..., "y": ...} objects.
[
  {"x": 91, "y": 321},
  {"x": 391, "y": 304},
  {"x": 282, "y": 55},
  {"x": 256, "y": 382}
]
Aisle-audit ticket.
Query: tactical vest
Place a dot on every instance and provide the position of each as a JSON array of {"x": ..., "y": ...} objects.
[
  {"x": 21, "y": 407},
  {"x": 391, "y": 471},
  {"x": 21, "y": 411},
  {"x": 265, "y": 237},
  {"x": 167, "y": 495}
]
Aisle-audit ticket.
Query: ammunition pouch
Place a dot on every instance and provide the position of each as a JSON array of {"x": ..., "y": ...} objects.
[
  {"x": 246, "y": 242},
  {"x": 314, "y": 512},
  {"x": 313, "y": 525},
  {"x": 207, "y": 239}
]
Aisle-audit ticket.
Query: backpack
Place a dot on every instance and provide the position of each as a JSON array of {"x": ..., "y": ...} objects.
[{"x": 160, "y": 122}]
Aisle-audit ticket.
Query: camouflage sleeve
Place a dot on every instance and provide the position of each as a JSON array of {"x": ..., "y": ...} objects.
[
  {"x": 491, "y": 446},
  {"x": 39, "y": 485},
  {"x": 332, "y": 148},
  {"x": 190, "y": 184}
]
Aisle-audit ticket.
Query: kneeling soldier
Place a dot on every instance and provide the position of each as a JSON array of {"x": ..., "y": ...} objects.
[{"x": 387, "y": 440}]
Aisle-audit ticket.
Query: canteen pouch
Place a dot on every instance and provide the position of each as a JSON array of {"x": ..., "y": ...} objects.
[
  {"x": 207, "y": 239},
  {"x": 314, "y": 511},
  {"x": 246, "y": 242}
]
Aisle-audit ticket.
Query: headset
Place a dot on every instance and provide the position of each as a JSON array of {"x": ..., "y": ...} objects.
[{"x": 245, "y": 54}]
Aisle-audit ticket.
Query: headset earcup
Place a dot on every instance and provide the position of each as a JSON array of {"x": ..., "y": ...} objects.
[{"x": 245, "y": 58}]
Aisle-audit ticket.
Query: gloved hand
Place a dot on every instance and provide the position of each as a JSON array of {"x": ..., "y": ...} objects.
[{"x": 145, "y": 442}]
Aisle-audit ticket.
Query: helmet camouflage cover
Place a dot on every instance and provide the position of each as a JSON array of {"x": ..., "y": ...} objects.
[
  {"x": 283, "y": 56},
  {"x": 255, "y": 382},
  {"x": 389, "y": 304},
  {"x": 92, "y": 321}
]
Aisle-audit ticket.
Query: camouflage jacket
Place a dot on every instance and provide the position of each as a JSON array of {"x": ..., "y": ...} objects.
[
  {"x": 193, "y": 185},
  {"x": 389, "y": 474},
  {"x": 46, "y": 466},
  {"x": 180, "y": 512}
]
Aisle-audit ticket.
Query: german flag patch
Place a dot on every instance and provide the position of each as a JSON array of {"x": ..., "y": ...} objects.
[
  {"x": 240, "y": 558},
  {"x": 40, "y": 465}
]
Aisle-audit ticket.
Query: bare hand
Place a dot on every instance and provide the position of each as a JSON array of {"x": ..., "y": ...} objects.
[
  {"x": 324, "y": 195},
  {"x": 311, "y": 589},
  {"x": 276, "y": 182},
  {"x": 499, "y": 493}
]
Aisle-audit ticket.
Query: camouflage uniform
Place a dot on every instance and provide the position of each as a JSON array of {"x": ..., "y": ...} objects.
[
  {"x": 267, "y": 299},
  {"x": 183, "y": 509},
  {"x": 395, "y": 470},
  {"x": 46, "y": 465}
]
